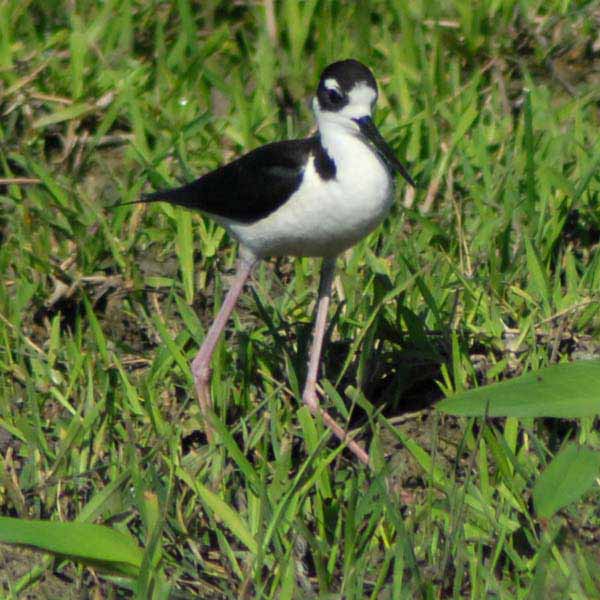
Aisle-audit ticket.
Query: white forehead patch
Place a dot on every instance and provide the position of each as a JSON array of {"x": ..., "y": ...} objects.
[
  {"x": 332, "y": 84},
  {"x": 362, "y": 94}
]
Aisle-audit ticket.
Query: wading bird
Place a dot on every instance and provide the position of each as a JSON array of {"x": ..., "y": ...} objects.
[{"x": 310, "y": 197}]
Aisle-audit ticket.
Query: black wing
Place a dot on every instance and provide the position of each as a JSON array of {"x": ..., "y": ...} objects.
[{"x": 249, "y": 188}]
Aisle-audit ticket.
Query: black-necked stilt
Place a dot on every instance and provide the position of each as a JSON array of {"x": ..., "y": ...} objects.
[{"x": 312, "y": 197}]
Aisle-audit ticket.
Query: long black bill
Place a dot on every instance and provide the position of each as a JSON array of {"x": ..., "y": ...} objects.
[{"x": 368, "y": 129}]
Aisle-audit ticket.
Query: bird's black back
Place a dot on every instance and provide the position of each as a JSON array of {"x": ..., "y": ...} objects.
[{"x": 253, "y": 186}]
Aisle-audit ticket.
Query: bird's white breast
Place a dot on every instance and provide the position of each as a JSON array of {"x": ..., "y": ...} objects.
[{"x": 324, "y": 217}]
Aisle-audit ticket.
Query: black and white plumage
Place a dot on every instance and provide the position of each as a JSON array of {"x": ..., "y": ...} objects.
[
  {"x": 253, "y": 186},
  {"x": 311, "y": 197}
]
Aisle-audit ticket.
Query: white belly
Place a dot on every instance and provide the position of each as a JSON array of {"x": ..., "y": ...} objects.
[{"x": 323, "y": 218}]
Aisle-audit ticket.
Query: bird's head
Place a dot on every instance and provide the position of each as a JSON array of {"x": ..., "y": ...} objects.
[
  {"x": 347, "y": 92},
  {"x": 345, "y": 100}
]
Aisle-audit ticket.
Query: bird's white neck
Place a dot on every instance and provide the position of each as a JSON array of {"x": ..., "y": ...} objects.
[{"x": 349, "y": 150}]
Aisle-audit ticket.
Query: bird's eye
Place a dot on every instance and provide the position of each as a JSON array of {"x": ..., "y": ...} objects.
[{"x": 334, "y": 96}]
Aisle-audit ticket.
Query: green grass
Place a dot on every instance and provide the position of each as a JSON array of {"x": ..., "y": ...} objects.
[{"x": 492, "y": 269}]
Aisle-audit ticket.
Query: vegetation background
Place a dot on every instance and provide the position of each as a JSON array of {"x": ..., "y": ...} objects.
[{"x": 490, "y": 269}]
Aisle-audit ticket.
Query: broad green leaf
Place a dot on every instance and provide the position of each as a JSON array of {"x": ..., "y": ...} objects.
[
  {"x": 89, "y": 544},
  {"x": 568, "y": 390},
  {"x": 573, "y": 472}
]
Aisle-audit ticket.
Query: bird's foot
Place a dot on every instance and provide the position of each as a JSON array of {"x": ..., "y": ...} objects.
[{"x": 311, "y": 399}]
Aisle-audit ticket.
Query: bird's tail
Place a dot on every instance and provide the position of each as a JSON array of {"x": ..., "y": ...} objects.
[{"x": 179, "y": 196}]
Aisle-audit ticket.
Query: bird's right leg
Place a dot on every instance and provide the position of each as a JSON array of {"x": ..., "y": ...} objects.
[{"x": 201, "y": 364}]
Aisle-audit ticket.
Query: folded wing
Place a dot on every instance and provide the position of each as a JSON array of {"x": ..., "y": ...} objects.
[{"x": 247, "y": 189}]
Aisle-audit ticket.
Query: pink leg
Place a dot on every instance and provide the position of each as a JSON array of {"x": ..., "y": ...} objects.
[
  {"x": 309, "y": 397},
  {"x": 201, "y": 364}
]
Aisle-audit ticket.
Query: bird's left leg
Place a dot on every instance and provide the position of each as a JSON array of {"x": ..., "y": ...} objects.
[
  {"x": 310, "y": 397},
  {"x": 201, "y": 364}
]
